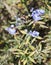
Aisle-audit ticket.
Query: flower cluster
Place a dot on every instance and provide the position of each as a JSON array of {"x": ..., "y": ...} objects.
[
  {"x": 36, "y": 14},
  {"x": 11, "y": 30},
  {"x": 34, "y": 33}
]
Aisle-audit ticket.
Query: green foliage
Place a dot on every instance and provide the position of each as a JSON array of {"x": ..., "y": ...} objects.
[{"x": 21, "y": 48}]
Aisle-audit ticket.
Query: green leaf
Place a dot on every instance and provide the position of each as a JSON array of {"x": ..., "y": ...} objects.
[
  {"x": 31, "y": 59},
  {"x": 24, "y": 62},
  {"x": 31, "y": 47}
]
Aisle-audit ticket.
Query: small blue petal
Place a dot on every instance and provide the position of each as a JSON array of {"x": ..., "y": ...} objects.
[
  {"x": 36, "y": 18},
  {"x": 10, "y": 30},
  {"x": 34, "y": 13},
  {"x": 37, "y": 13},
  {"x": 31, "y": 10},
  {"x": 40, "y": 11},
  {"x": 34, "y": 33}
]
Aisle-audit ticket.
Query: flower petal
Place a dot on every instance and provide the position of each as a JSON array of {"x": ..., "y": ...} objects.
[
  {"x": 31, "y": 10},
  {"x": 37, "y": 18},
  {"x": 12, "y": 31},
  {"x": 34, "y": 33},
  {"x": 40, "y": 11}
]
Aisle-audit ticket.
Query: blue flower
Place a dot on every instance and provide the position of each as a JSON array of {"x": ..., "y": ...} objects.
[
  {"x": 11, "y": 30},
  {"x": 36, "y": 18},
  {"x": 40, "y": 11},
  {"x": 37, "y": 13},
  {"x": 34, "y": 33}
]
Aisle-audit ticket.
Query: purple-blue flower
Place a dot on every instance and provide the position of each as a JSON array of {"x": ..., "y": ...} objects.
[
  {"x": 34, "y": 33},
  {"x": 40, "y": 11},
  {"x": 11, "y": 30},
  {"x": 36, "y": 18},
  {"x": 37, "y": 13}
]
